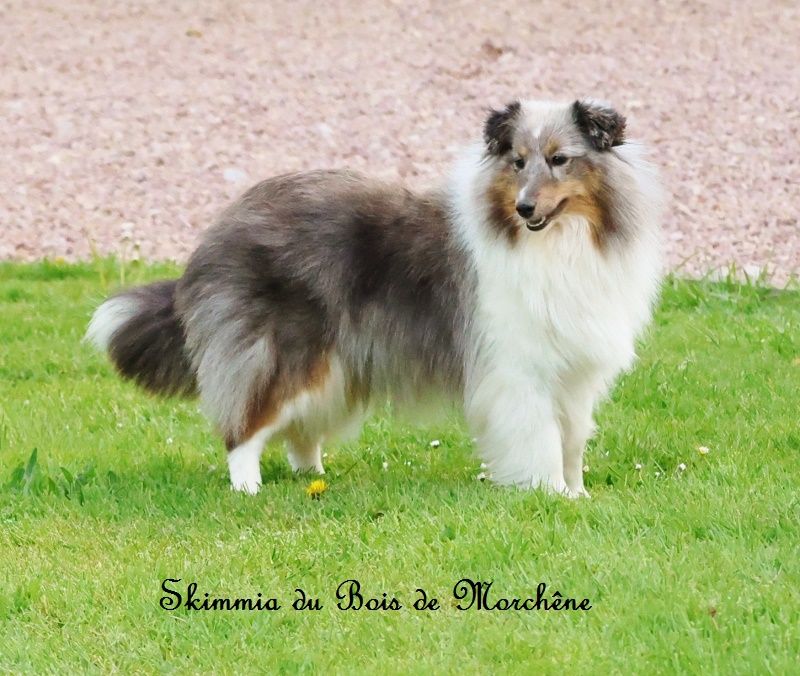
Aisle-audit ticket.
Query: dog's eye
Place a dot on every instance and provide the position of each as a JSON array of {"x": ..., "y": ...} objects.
[
  {"x": 519, "y": 163},
  {"x": 558, "y": 160}
]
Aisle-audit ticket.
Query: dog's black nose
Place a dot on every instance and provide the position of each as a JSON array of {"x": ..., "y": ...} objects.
[{"x": 525, "y": 210}]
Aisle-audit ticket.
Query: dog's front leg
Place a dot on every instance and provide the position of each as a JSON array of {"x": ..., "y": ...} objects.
[
  {"x": 518, "y": 434},
  {"x": 577, "y": 400}
]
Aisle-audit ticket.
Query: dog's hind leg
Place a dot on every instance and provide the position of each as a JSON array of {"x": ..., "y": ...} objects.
[
  {"x": 244, "y": 462},
  {"x": 304, "y": 452}
]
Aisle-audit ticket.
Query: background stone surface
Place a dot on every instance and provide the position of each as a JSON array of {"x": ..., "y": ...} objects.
[{"x": 129, "y": 125}]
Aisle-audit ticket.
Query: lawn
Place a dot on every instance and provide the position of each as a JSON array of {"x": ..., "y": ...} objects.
[{"x": 688, "y": 550}]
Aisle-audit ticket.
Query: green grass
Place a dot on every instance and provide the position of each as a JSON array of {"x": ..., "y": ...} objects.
[{"x": 106, "y": 492}]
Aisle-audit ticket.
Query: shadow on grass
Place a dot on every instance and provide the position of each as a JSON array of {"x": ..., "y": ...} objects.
[{"x": 171, "y": 486}]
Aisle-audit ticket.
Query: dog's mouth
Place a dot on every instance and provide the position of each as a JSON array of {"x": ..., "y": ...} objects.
[{"x": 543, "y": 221}]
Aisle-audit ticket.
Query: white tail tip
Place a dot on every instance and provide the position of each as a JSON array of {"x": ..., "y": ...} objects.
[{"x": 107, "y": 319}]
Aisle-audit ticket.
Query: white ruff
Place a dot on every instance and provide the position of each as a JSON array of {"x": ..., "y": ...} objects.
[{"x": 556, "y": 322}]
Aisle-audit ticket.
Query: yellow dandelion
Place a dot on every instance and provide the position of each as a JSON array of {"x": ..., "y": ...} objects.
[{"x": 316, "y": 488}]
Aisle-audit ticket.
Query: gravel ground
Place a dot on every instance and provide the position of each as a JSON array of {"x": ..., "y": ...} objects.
[{"x": 127, "y": 126}]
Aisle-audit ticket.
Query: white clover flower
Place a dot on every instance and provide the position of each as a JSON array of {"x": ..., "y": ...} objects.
[
  {"x": 703, "y": 450},
  {"x": 436, "y": 443},
  {"x": 638, "y": 466},
  {"x": 682, "y": 467}
]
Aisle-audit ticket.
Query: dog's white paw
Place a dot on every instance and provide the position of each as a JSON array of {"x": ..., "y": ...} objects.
[
  {"x": 248, "y": 486},
  {"x": 559, "y": 487},
  {"x": 300, "y": 465},
  {"x": 575, "y": 493},
  {"x": 571, "y": 493},
  {"x": 245, "y": 469}
]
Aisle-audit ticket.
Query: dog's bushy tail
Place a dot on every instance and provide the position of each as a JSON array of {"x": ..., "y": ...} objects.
[{"x": 144, "y": 338}]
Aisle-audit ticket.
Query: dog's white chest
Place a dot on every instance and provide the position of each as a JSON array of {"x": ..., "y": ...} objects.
[{"x": 560, "y": 311}]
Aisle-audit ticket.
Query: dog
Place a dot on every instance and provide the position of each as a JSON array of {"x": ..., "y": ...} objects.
[{"x": 517, "y": 290}]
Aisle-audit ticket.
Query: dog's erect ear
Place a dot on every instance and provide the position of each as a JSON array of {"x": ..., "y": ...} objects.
[
  {"x": 498, "y": 129},
  {"x": 603, "y": 127}
]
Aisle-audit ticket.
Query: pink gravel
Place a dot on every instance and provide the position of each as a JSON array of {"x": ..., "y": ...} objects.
[{"x": 127, "y": 126}]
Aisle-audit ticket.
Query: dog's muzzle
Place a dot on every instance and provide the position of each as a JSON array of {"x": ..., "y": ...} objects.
[{"x": 535, "y": 225}]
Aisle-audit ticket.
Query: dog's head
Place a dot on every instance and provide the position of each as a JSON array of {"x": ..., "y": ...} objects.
[{"x": 549, "y": 162}]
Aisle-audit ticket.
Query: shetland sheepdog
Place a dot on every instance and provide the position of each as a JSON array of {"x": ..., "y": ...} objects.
[{"x": 516, "y": 290}]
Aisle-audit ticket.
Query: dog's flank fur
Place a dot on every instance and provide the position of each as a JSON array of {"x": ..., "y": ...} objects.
[
  {"x": 312, "y": 268},
  {"x": 319, "y": 293}
]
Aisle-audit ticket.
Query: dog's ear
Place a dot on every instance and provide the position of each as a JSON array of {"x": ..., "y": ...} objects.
[
  {"x": 603, "y": 127},
  {"x": 498, "y": 129}
]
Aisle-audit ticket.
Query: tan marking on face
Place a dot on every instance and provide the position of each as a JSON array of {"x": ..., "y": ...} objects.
[
  {"x": 551, "y": 148},
  {"x": 552, "y": 193},
  {"x": 501, "y": 197},
  {"x": 585, "y": 195}
]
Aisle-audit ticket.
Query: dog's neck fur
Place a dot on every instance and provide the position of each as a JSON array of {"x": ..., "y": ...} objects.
[{"x": 549, "y": 272}]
